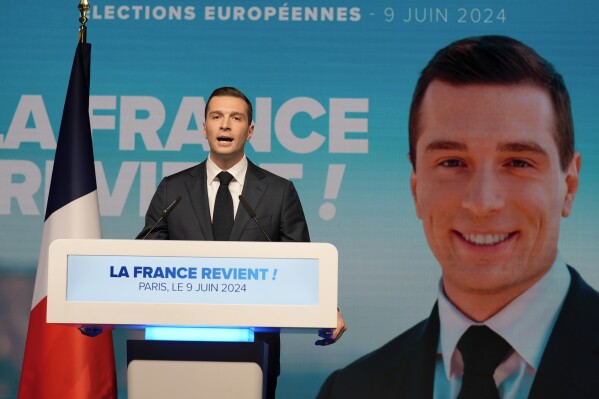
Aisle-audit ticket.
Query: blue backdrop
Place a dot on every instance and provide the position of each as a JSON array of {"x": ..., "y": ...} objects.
[{"x": 331, "y": 83}]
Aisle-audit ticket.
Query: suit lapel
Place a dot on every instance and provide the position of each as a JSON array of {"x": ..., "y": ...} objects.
[
  {"x": 198, "y": 194},
  {"x": 570, "y": 363},
  {"x": 253, "y": 190},
  {"x": 422, "y": 368}
]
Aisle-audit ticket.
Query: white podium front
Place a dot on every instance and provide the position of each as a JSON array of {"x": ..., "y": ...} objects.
[
  {"x": 251, "y": 285},
  {"x": 176, "y": 369}
]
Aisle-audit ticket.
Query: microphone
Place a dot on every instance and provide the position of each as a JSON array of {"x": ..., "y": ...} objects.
[
  {"x": 165, "y": 212},
  {"x": 252, "y": 213}
]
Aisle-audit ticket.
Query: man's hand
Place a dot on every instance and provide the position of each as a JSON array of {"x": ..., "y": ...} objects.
[
  {"x": 91, "y": 331},
  {"x": 330, "y": 336}
]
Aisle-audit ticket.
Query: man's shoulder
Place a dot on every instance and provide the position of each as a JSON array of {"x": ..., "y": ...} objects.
[
  {"x": 403, "y": 367},
  {"x": 574, "y": 342},
  {"x": 385, "y": 364},
  {"x": 194, "y": 170},
  {"x": 263, "y": 174},
  {"x": 582, "y": 300},
  {"x": 578, "y": 320},
  {"x": 580, "y": 289}
]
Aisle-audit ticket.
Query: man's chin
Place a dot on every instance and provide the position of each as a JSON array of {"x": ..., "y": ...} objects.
[
  {"x": 225, "y": 154},
  {"x": 481, "y": 278}
]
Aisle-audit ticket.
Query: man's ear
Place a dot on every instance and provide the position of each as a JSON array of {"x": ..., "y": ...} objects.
[
  {"x": 250, "y": 132},
  {"x": 413, "y": 185},
  {"x": 572, "y": 178},
  {"x": 205, "y": 135}
]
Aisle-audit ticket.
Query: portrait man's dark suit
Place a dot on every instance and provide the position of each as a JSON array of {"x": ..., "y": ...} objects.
[
  {"x": 404, "y": 367},
  {"x": 274, "y": 199}
]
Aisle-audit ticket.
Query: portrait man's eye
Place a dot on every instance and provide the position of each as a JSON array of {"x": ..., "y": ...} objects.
[
  {"x": 519, "y": 163},
  {"x": 452, "y": 163}
]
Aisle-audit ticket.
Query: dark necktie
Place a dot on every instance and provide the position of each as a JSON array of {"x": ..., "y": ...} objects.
[
  {"x": 482, "y": 350},
  {"x": 222, "y": 218}
]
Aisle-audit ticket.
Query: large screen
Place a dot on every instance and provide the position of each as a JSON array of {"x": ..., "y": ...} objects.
[{"x": 331, "y": 84}]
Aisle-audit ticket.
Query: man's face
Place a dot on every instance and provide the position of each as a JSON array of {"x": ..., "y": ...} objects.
[
  {"x": 227, "y": 129},
  {"x": 488, "y": 185}
]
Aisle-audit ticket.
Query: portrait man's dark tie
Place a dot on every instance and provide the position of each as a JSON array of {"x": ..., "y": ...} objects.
[
  {"x": 222, "y": 219},
  {"x": 482, "y": 351}
]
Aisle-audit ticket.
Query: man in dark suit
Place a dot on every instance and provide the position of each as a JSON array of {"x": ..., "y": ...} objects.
[
  {"x": 494, "y": 171},
  {"x": 227, "y": 127}
]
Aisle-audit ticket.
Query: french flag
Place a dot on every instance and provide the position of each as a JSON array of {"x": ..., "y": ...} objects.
[{"x": 59, "y": 361}]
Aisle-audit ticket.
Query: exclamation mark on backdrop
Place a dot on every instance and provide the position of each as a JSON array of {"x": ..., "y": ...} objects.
[{"x": 331, "y": 191}]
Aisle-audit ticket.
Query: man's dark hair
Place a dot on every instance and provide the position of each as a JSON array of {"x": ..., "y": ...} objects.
[
  {"x": 230, "y": 92},
  {"x": 496, "y": 60}
]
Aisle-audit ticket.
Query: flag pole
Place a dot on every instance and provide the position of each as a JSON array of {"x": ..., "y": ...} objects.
[
  {"x": 83, "y": 9},
  {"x": 59, "y": 361}
]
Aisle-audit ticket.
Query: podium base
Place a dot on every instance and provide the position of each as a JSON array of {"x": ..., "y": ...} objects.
[{"x": 182, "y": 369}]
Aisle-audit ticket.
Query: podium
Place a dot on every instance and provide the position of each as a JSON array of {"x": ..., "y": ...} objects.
[{"x": 178, "y": 286}]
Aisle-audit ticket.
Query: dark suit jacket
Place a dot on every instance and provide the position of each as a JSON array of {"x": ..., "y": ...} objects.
[
  {"x": 404, "y": 367},
  {"x": 277, "y": 206}
]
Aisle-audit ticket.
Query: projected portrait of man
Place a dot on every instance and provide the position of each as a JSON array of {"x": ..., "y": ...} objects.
[{"x": 494, "y": 172}]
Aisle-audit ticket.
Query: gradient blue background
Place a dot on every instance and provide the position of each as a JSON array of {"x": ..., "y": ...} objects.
[{"x": 388, "y": 277}]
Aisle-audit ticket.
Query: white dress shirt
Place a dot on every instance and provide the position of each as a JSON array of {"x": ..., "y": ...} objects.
[
  {"x": 238, "y": 172},
  {"x": 525, "y": 323}
]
